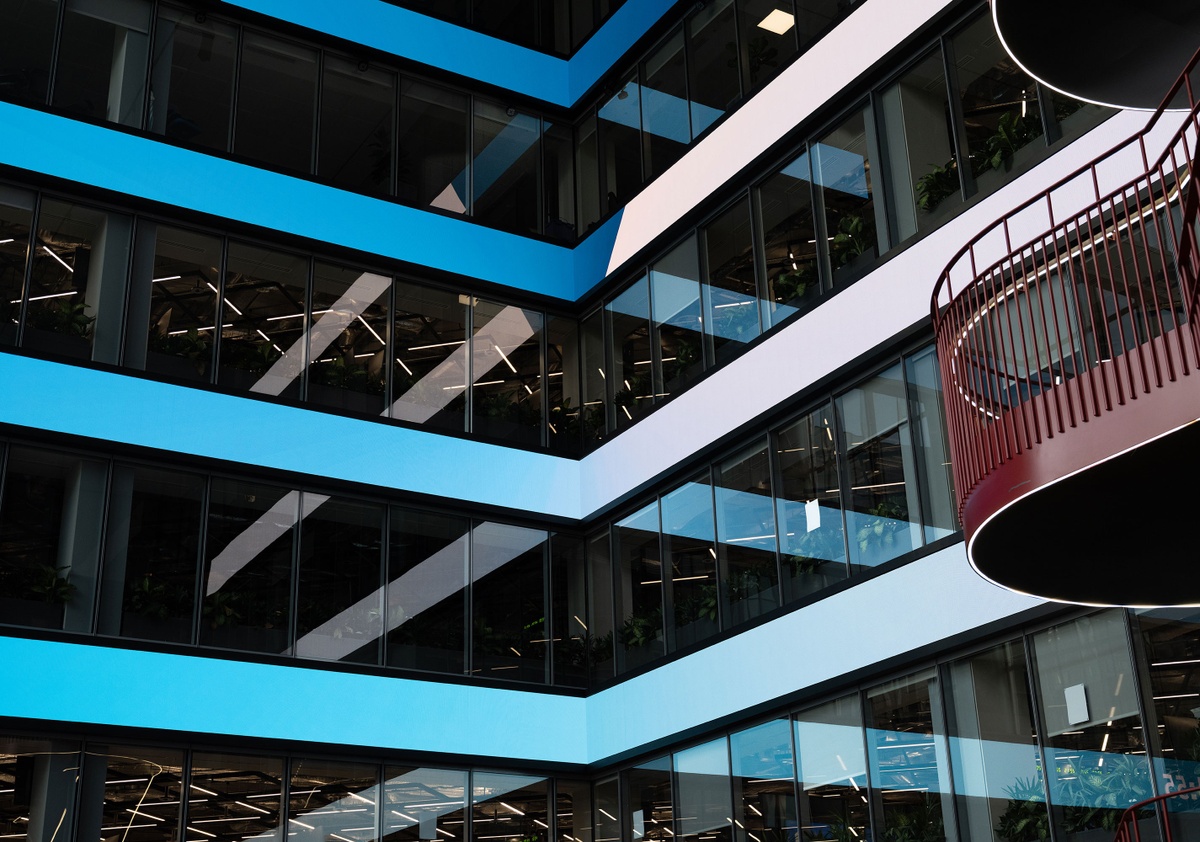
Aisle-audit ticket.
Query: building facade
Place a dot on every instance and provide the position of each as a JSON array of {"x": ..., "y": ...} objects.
[{"x": 522, "y": 421}]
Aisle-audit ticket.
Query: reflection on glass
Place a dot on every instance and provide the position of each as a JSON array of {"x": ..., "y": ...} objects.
[
  {"x": 434, "y": 147},
  {"x": 573, "y": 810},
  {"x": 702, "y": 781},
  {"x": 841, "y": 163},
  {"x": 908, "y": 758},
  {"x": 235, "y": 797},
  {"x": 347, "y": 348},
  {"x": 1093, "y": 733},
  {"x": 564, "y": 426},
  {"x": 587, "y": 167},
  {"x": 620, "y": 122},
  {"x": 513, "y": 808},
  {"x": 504, "y": 175},
  {"x": 816, "y": 17},
  {"x": 688, "y": 544},
  {"x": 429, "y": 378},
  {"x": 595, "y": 380},
  {"x": 665, "y": 105},
  {"x": 640, "y": 589},
  {"x": 630, "y": 386},
  {"x": 16, "y": 212},
  {"x": 330, "y": 800},
  {"x": 102, "y": 55},
  {"x": 789, "y": 240},
  {"x": 732, "y": 311},
  {"x": 506, "y": 370},
  {"x": 932, "y": 446},
  {"x": 191, "y": 79},
  {"x": 26, "y": 48},
  {"x": 678, "y": 321},
  {"x": 571, "y": 635},
  {"x": 882, "y": 518},
  {"x": 767, "y": 39},
  {"x": 746, "y": 537},
  {"x": 712, "y": 38},
  {"x": 993, "y": 748},
  {"x": 183, "y": 303},
  {"x": 764, "y": 794},
  {"x": 509, "y": 634},
  {"x": 427, "y": 591},
  {"x": 608, "y": 808},
  {"x": 28, "y": 810},
  {"x": 276, "y": 102},
  {"x": 558, "y": 187},
  {"x": 648, "y": 812},
  {"x": 812, "y": 543},
  {"x": 358, "y": 106},
  {"x": 142, "y": 792},
  {"x": 600, "y": 592},
  {"x": 421, "y": 804},
  {"x": 832, "y": 771}
]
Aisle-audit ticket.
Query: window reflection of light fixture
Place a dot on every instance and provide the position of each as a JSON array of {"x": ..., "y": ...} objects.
[{"x": 778, "y": 22}]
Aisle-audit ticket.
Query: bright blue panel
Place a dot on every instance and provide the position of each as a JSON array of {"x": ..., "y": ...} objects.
[
  {"x": 97, "y": 685},
  {"x": 592, "y": 256},
  {"x": 131, "y": 410},
  {"x": 611, "y": 42},
  {"x": 140, "y": 167}
]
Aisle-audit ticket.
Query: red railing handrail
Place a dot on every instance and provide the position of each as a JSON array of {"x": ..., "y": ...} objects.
[{"x": 1129, "y": 817}]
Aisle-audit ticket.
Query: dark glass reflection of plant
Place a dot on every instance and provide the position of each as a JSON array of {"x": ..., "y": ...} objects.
[
  {"x": 69, "y": 318},
  {"x": 340, "y": 373},
  {"x": 853, "y": 239},
  {"x": 1095, "y": 797},
  {"x": 796, "y": 284},
  {"x": 641, "y": 629},
  {"x": 50, "y": 587},
  {"x": 192, "y": 345},
  {"x": 936, "y": 186},
  {"x": 255, "y": 357},
  {"x": 888, "y": 524},
  {"x": 1012, "y": 132},
  {"x": 916, "y": 823},
  {"x": 223, "y": 609},
  {"x": 1025, "y": 818}
]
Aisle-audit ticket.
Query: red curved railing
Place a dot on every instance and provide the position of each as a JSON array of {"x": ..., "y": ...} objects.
[
  {"x": 1076, "y": 302},
  {"x": 1128, "y": 829}
]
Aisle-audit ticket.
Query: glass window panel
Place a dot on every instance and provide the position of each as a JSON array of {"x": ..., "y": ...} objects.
[
  {"x": 932, "y": 444},
  {"x": 510, "y": 635},
  {"x": 1074, "y": 117},
  {"x": 248, "y": 570},
  {"x": 26, "y": 48},
  {"x": 1092, "y": 731},
  {"x": 999, "y": 103},
  {"x": 649, "y": 813},
  {"x": 764, "y": 788},
  {"x": 512, "y": 20},
  {"x": 714, "y": 83},
  {"x": 573, "y": 810},
  {"x": 427, "y": 591},
  {"x": 812, "y": 543},
  {"x": 102, "y": 56},
  {"x": 506, "y": 369},
  {"x": 732, "y": 290},
  {"x": 908, "y": 758},
  {"x": 640, "y": 589},
  {"x": 570, "y": 636},
  {"x": 358, "y": 108},
  {"x": 703, "y": 791},
  {"x": 665, "y": 105},
  {"x": 832, "y": 771},
  {"x": 276, "y": 102},
  {"x": 587, "y": 165},
  {"x": 422, "y": 804},
  {"x": 630, "y": 386},
  {"x": 434, "y": 152},
  {"x": 263, "y": 321},
  {"x": 16, "y": 215},
  {"x": 80, "y": 262},
  {"x": 608, "y": 808},
  {"x": 51, "y": 509},
  {"x": 678, "y": 322},
  {"x": 512, "y": 808},
  {"x": 183, "y": 303},
  {"x": 882, "y": 517},
  {"x": 816, "y": 17},
  {"x": 40, "y": 779},
  {"x": 993, "y": 748},
  {"x": 746, "y": 536},
  {"x": 234, "y": 796},
  {"x": 558, "y": 191},
  {"x": 789, "y": 240},
  {"x": 621, "y": 145},
  {"x": 600, "y": 590},
  {"x": 595, "y": 380},
  {"x": 430, "y": 375},
  {"x": 920, "y": 143},
  {"x": 339, "y": 614},
  {"x": 347, "y": 346},
  {"x": 688, "y": 542},
  {"x": 563, "y": 392},
  {"x": 768, "y": 39},
  {"x": 137, "y": 791},
  {"x": 504, "y": 174},
  {"x": 330, "y": 800},
  {"x": 841, "y": 163},
  {"x": 191, "y": 80},
  {"x": 152, "y": 553}
]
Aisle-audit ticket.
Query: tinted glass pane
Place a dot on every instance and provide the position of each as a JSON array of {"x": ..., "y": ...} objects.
[
  {"x": 514, "y": 808},
  {"x": 132, "y": 792},
  {"x": 427, "y": 591},
  {"x": 733, "y": 293},
  {"x": 649, "y": 813},
  {"x": 702, "y": 780},
  {"x": 842, "y": 170},
  {"x": 558, "y": 144},
  {"x": 509, "y": 630},
  {"x": 570, "y": 636},
  {"x": 504, "y": 179},
  {"x": 746, "y": 536},
  {"x": 339, "y": 613},
  {"x": 1075, "y": 117},
  {"x": 768, "y": 39},
  {"x": 192, "y": 78},
  {"x": 183, "y": 303},
  {"x": 16, "y": 212},
  {"x": 631, "y": 383},
  {"x": 790, "y": 240},
  {"x": 816, "y": 17},
  {"x": 152, "y": 553},
  {"x": 665, "y": 105},
  {"x": 329, "y": 800},
  {"x": 234, "y": 796},
  {"x": 832, "y": 770},
  {"x": 587, "y": 166},
  {"x": 573, "y": 810},
  {"x": 688, "y": 541},
  {"x": 600, "y": 590},
  {"x": 563, "y": 392},
  {"x": 248, "y": 571},
  {"x": 678, "y": 322},
  {"x": 262, "y": 335},
  {"x": 39, "y": 792},
  {"x": 358, "y": 108},
  {"x": 640, "y": 595},
  {"x": 507, "y": 372},
  {"x": 429, "y": 379},
  {"x": 423, "y": 804},
  {"x": 347, "y": 348},
  {"x": 714, "y": 80},
  {"x": 102, "y": 56},
  {"x": 25, "y": 49},
  {"x": 812, "y": 543},
  {"x": 933, "y": 448},
  {"x": 621, "y": 145},
  {"x": 595, "y": 379},
  {"x": 433, "y": 154},
  {"x": 608, "y": 808},
  {"x": 276, "y": 102},
  {"x": 764, "y": 794}
]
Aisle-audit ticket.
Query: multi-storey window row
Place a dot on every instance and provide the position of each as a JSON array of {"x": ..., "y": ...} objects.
[
  {"x": 181, "y": 73},
  {"x": 168, "y": 554},
  {"x": 1046, "y": 735}
]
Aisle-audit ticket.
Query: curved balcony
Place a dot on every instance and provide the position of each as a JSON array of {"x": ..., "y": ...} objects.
[{"x": 1071, "y": 373}]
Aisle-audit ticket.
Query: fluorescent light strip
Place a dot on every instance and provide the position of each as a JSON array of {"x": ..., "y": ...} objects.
[{"x": 66, "y": 265}]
